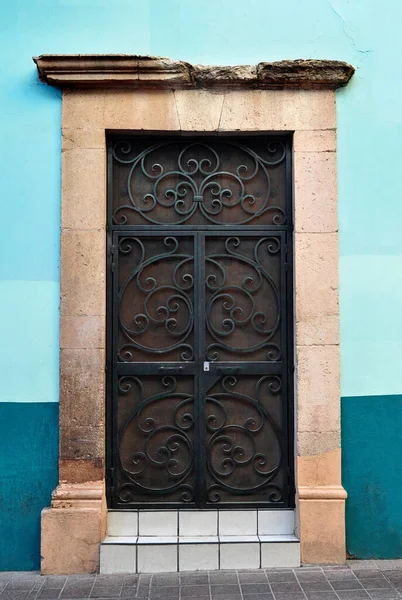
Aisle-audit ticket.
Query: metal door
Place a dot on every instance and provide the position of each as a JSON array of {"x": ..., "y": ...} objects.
[{"x": 199, "y": 323}]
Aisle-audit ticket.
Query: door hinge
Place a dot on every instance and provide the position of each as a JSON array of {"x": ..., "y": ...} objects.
[
  {"x": 111, "y": 487},
  {"x": 286, "y": 265},
  {"x": 112, "y": 252}
]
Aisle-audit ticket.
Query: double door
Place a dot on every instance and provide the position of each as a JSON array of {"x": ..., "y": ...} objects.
[{"x": 199, "y": 410}]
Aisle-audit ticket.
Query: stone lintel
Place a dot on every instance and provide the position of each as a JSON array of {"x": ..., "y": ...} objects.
[{"x": 132, "y": 71}]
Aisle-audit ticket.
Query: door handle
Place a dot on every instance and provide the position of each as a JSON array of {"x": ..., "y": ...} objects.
[
  {"x": 228, "y": 370},
  {"x": 170, "y": 369}
]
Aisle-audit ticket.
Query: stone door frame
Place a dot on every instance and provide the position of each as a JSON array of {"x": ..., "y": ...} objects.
[{"x": 144, "y": 94}]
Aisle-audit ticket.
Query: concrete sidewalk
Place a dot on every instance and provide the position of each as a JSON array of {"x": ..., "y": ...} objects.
[{"x": 357, "y": 580}]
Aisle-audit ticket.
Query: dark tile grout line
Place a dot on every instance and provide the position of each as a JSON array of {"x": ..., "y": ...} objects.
[
  {"x": 390, "y": 582},
  {"x": 269, "y": 583},
  {"x": 209, "y": 575},
  {"x": 297, "y": 579},
  {"x": 238, "y": 580}
]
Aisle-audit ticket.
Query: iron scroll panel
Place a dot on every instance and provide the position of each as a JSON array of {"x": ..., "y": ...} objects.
[
  {"x": 200, "y": 397},
  {"x": 199, "y": 323},
  {"x": 190, "y": 182}
]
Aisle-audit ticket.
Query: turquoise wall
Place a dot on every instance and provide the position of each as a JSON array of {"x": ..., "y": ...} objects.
[
  {"x": 372, "y": 471},
  {"x": 365, "y": 33}
]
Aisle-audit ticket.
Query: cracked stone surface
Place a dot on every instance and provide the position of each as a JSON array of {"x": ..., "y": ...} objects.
[{"x": 120, "y": 70}]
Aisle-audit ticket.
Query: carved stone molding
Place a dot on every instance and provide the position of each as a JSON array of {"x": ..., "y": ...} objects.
[
  {"x": 123, "y": 70},
  {"x": 86, "y": 495},
  {"x": 72, "y": 529},
  {"x": 323, "y": 492}
]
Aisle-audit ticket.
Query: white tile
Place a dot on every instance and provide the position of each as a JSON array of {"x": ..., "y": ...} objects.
[
  {"x": 159, "y": 523},
  {"x": 198, "y": 557},
  {"x": 237, "y": 522},
  {"x": 157, "y": 559},
  {"x": 118, "y": 558},
  {"x": 198, "y": 522},
  {"x": 122, "y": 523},
  {"x": 276, "y": 522},
  {"x": 239, "y": 556},
  {"x": 156, "y": 540},
  {"x": 285, "y": 554}
]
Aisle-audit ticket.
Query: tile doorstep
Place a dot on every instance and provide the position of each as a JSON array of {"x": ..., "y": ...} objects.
[
  {"x": 214, "y": 551},
  {"x": 225, "y": 522},
  {"x": 221, "y": 552}
]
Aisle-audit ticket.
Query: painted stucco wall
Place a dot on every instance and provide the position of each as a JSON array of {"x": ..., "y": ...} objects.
[{"x": 365, "y": 33}]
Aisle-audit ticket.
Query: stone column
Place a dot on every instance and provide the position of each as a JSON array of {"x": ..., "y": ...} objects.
[
  {"x": 74, "y": 525},
  {"x": 320, "y": 493}
]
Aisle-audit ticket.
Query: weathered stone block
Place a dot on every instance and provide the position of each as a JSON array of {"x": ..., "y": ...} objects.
[
  {"x": 83, "y": 277},
  {"x": 322, "y": 531},
  {"x": 79, "y": 442},
  {"x": 142, "y": 110},
  {"x": 267, "y": 110},
  {"x": 316, "y": 274},
  {"x": 83, "y": 189},
  {"x": 83, "y": 109},
  {"x": 73, "y": 138},
  {"x": 316, "y": 208},
  {"x": 311, "y": 443},
  {"x": 82, "y": 331},
  {"x": 319, "y": 469},
  {"x": 315, "y": 141},
  {"x": 320, "y": 330},
  {"x": 209, "y": 109},
  {"x": 82, "y": 387},
  {"x": 318, "y": 388}
]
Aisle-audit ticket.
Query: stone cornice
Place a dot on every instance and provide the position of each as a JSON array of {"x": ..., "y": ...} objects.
[{"x": 123, "y": 70}]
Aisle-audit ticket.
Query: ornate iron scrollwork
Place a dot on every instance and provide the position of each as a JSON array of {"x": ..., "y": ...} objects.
[
  {"x": 200, "y": 377},
  {"x": 156, "y": 448},
  {"x": 193, "y": 183},
  {"x": 243, "y": 300},
  {"x": 239, "y": 460},
  {"x": 156, "y": 313}
]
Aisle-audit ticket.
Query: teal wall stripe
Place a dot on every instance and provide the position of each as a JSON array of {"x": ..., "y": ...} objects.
[
  {"x": 28, "y": 475},
  {"x": 372, "y": 475}
]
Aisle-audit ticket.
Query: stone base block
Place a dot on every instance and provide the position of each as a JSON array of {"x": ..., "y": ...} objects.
[
  {"x": 322, "y": 525},
  {"x": 72, "y": 529}
]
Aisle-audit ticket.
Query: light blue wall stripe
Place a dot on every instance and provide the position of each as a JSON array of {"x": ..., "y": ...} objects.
[
  {"x": 29, "y": 335},
  {"x": 371, "y": 324},
  {"x": 369, "y": 133}
]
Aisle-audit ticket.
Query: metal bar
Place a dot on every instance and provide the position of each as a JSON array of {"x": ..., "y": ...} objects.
[
  {"x": 155, "y": 368},
  {"x": 110, "y": 446},
  {"x": 290, "y": 333},
  {"x": 200, "y": 278},
  {"x": 284, "y": 395},
  {"x": 248, "y": 368},
  {"x": 186, "y": 229},
  {"x": 114, "y": 374}
]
